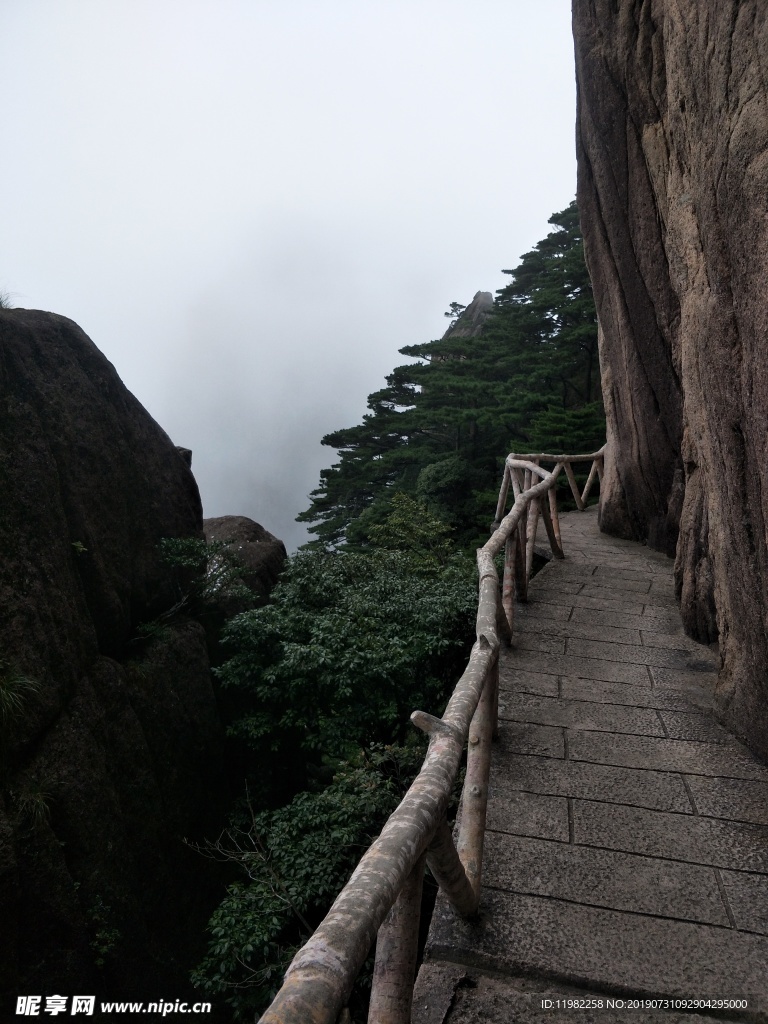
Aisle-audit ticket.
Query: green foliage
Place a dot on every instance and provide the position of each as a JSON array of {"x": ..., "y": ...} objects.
[
  {"x": 105, "y": 937},
  {"x": 15, "y": 690},
  {"x": 350, "y": 644},
  {"x": 296, "y": 860},
  {"x": 33, "y": 803},
  {"x": 348, "y": 647},
  {"x": 411, "y": 527},
  {"x": 441, "y": 426},
  {"x": 204, "y": 571},
  {"x": 454, "y": 312}
]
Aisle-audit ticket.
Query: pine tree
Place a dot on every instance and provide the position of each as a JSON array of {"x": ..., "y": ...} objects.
[{"x": 440, "y": 428}]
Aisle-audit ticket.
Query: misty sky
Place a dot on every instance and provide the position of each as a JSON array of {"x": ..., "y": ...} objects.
[{"x": 251, "y": 205}]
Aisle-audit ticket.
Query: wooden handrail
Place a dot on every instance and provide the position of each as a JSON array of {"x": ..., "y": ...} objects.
[{"x": 381, "y": 897}]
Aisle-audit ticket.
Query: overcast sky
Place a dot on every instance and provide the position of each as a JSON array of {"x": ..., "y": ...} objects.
[{"x": 251, "y": 205}]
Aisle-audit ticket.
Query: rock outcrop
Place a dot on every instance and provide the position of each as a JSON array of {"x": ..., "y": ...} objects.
[
  {"x": 261, "y": 554},
  {"x": 672, "y": 142},
  {"x": 111, "y": 740},
  {"x": 470, "y": 322}
]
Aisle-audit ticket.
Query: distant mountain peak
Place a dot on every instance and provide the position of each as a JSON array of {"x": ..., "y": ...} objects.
[{"x": 470, "y": 322}]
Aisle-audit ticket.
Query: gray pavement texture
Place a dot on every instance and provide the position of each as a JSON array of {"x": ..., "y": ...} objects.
[{"x": 625, "y": 873}]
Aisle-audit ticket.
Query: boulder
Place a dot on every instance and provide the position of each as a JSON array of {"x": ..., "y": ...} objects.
[
  {"x": 672, "y": 135},
  {"x": 261, "y": 554},
  {"x": 111, "y": 740}
]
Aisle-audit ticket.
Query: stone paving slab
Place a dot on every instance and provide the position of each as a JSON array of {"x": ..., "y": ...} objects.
[
  {"x": 635, "y": 654},
  {"x": 678, "y": 679},
  {"x": 634, "y": 696},
  {"x": 625, "y": 595},
  {"x": 600, "y": 949},
  {"x": 686, "y": 837},
  {"x": 658, "y": 623},
  {"x": 651, "y": 570},
  {"x": 544, "y": 610},
  {"x": 627, "y": 850},
  {"x": 681, "y": 725},
  {"x": 637, "y": 585},
  {"x": 527, "y": 682},
  {"x": 667, "y": 755},
  {"x": 541, "y": 642},
  {"x": 701, "y": 655},
  {"x": 662, "y": 791},
  {"x": 604, "y": 878},
  {"x": 748, "y": 899},
  {"x": 580, "y": 714},
  {"x": 590, "y": 668},
  {"x": 527, "y": 623},
  {"x": 728, "y": 798},
  {"x": 607, "y": 601},
  {"x": 452, "y": 994},
  {"x": 661, "y": 610},
  {"x": 526, "y": 738},
  {"x": 542, "y": 816},
  {"x": 560, "y": 586}
]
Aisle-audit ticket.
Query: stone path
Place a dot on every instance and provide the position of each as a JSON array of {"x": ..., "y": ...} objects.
[{"x": 627, "y": 850}]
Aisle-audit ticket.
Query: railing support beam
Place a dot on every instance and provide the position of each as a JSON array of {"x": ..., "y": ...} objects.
[
  {"x": 574, "y": 486},
  {"x": 554, "y": 543},
  {"x": 448, "y": 871},
  {"x": 397, "y": 947},
  {"x": 474, "y": 799}
]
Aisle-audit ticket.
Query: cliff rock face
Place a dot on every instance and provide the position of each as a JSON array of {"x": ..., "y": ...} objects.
[
  {"x": 111, "y": 742},
  {"x": 672, "y": 142}
]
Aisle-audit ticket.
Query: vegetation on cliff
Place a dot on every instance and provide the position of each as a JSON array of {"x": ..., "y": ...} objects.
[
  {"x": 327, "y": 675},
  {"x": 441, "y": 426}
]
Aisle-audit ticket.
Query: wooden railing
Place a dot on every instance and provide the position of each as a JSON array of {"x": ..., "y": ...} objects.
[{"x": 382, "y": 899}]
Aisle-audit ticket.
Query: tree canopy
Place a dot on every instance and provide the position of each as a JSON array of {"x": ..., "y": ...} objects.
[{"x": 440, "y": 428}]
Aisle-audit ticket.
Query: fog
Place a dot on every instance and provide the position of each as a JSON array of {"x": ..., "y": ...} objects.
[{"x": 251, "y": 205}]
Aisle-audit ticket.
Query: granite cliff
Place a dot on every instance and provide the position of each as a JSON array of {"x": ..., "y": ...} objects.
[
  {"x": 111, "y": 736},
  {"x": 672, "y": 144}
]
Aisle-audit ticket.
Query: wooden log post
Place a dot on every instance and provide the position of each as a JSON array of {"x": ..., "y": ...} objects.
[
  {"x": 590, "y": 481},
  {"x": 502, "y": 502},
  {"x": 449, "y": 873},
  {"x": 521, "y": 577},
  {"x": 508, "y": 581},
  {"x": 554, "y": 514},
  {"x": 517, "y": 482},
  {"x": 397, "y": 947},
  {"x": 554, "y": 543},
  {"x": 494, "y": 699},
  {"x": 533, "y": 525},
  {"x": 574, "y": 486},
  {"x": 474, "y": 799}
]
